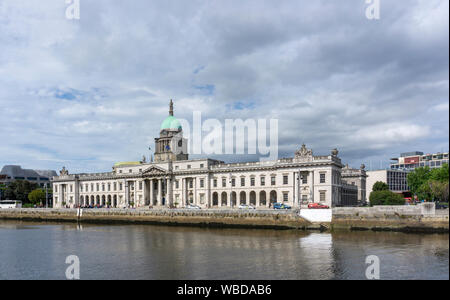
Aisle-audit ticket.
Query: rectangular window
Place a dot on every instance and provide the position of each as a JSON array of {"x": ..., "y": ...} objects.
[
  {"x": 70, "y": 188},
  {"x": 252, "y": 181},
  {"x": 81, "y": 187},
  {"x": 202, "y": 198},
  {"x": 87, "y": 187},
  {"x": 285, "y": 179},
  {"x": 233, "y": 182},
  {"x": 177, "y": 184},
  {"x": 305, "y": 198},
  {"x": 242, "y": 181},
  {"x": 98, "y": 187},
  {"x": 115, "y": 186},
  {"x": 103, "y": 187},
  {"x": 273, "y": 180},
  {"x": 322, "y": 177},
  {"x": 191, "y": 184},
  {"x": 224, "y": 182},
  {"x": 188, "y": 166},
  {"x": 120, "y": 187},
  {"x": 201, "y": 166},
  {"x": 285, "y": 197},
  {"x": 140, "y": 185},
  {"x": 130, "y": 171},
  {"x": 323, "y": 196},
  {"x": 202, "y": 183},
  {"x": 263, "y": 181},
  {"x": 215, "y": 183}
]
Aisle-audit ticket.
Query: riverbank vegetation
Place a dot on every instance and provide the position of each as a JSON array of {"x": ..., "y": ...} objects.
[
  {"x": 381, "y": 195},
  {"x": 430, "y": 184},
  {"x": 28, "y": 192}
]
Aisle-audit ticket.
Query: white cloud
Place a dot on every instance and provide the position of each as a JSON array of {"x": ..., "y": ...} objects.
[{"x": 93, "y": 91}]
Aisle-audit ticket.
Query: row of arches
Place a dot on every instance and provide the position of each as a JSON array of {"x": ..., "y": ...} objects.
[
  {"x": 99, "y": 200},
  {"x": 253, "y": 199}
]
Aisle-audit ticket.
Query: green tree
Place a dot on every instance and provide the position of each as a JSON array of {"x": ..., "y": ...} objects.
[
  {"x": 439, "y": 190},
  {"x": 380, "y": 186},
  {"x": 417, "y": 178},
  {"x": 19, "y": 190},
  {"x": 440, "y": 174},
  {"x": 385, "y": 197},
  {"x": 37, "y": 196},
  {"x": 430, "y": 184},
  {"x": 424, "y": 192}
]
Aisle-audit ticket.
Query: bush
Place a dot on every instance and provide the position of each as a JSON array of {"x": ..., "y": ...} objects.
[
  {"x": 380, "y": 186},
  {"x": 385, "y": 198},
  {"x": 36, "y": 196}
]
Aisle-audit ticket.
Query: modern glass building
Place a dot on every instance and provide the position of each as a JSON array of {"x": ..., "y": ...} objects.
[{"x": 412, "y": 160}]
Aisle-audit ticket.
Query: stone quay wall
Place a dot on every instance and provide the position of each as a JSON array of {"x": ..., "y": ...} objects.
[
  {"x": 382, "y": 218},
  {"x": 269, "y": 219},
  {"x": 417, "y": 218}
]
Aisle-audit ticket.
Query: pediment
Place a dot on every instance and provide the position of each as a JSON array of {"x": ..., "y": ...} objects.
[{"x": 153, "y": 170}]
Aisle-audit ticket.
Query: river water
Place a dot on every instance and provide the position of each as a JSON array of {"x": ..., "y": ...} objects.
[{"x": 39, "y": 251}]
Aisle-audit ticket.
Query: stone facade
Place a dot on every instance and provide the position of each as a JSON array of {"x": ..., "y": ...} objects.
[
  {"x": 172, "y": 180},
  {"x": 356, "y": 178}
]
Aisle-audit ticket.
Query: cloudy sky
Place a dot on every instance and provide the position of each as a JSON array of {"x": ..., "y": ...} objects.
[{"x": 90, "y": 92}]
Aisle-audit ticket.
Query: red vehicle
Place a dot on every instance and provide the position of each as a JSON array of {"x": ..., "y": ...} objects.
[{"x": 317, "y": 206}]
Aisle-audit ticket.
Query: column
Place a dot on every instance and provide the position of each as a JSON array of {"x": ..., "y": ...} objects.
[
  {"x": 294, "y": 195},
  {"x": 136, "y": 198},
  {"x": 170, "y": 192},
  {"x": 152, "y": 191},
  {"x": 159, "y": 198},
  {"x": 76, "y": 193},
  {"x": 127, "y": 194},
  {"x": 311, "y": 186},
  {"x": 186, "y": 189},
  {"x": 268, "y": 199},
  {"x": 208, "y": 192},
  {"x": 183, "y": 193},
  {"x": 299, "y": 196},
  {"x": 61, "y": 195},
  {"x": 258, "y": 204},
  {"x": 195, "y": 190},
  {"x": 145, "y": 192}
]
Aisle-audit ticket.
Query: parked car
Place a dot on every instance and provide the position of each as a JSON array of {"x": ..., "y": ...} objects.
[
  {"x": 441, "y": 205},
  {"x": 317, "y": 206},
  {"x": 281, "y": 206},
  {"x": 245, "y": 206},
  {"x": 193, "y": 206}
]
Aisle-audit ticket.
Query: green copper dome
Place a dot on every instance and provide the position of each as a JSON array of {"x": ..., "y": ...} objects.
[{"x": 171, "y": 123}]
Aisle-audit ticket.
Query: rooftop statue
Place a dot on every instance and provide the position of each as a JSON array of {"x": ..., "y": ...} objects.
[{"x": 63, "y": 172}]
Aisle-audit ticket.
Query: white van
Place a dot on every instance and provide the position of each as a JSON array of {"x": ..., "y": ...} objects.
[{"x": 5, "y": 204}]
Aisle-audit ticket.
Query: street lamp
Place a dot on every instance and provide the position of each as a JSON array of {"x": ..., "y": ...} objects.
[{"x": 46, "y": 195}]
